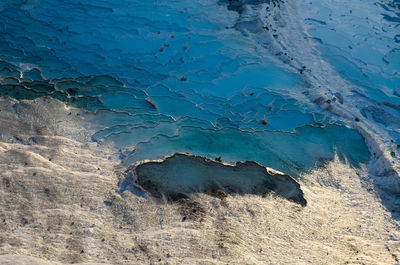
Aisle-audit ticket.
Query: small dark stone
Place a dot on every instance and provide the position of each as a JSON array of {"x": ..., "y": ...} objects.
[
  {"x": 183, "y": 78},
  {"x": 221, "y": 194},
  {"x": 252, "y": 94},
  {"x": 82, "y": 251},
  {"x": 357, "y": 119},
  {"x": 25, "y": 221}
]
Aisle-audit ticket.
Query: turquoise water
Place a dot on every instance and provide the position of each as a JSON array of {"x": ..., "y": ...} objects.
[{"x": 245, "y": 81}]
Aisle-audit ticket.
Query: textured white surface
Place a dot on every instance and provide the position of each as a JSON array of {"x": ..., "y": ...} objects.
[
  {"x": 72, "y": 204},
  {"x": 27, "y": 260}
]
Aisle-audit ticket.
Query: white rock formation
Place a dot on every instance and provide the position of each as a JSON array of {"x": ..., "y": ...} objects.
[{"x": 61, "y": 202}]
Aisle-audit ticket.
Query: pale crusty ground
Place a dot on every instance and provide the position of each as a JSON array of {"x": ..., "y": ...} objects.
[{"x": 60, "y": 203}]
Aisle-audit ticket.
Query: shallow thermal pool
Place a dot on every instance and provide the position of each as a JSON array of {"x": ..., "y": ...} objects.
[{"x": 285, "y": 84}]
